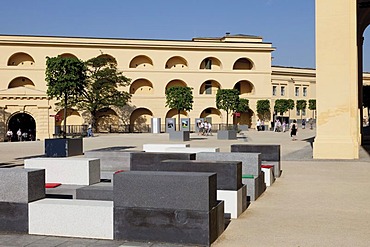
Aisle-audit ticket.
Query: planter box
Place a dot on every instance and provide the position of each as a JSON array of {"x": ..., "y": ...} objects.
[
  {"x": 63, "y": 147},
  {"x": 226, "y": 134},
  {"x": 179, "y": 136}
]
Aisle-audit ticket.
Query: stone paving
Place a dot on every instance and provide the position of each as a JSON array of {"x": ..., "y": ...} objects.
[{"x": 313, "y": 203}]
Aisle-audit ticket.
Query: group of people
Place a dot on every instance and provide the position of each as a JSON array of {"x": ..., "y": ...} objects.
[
  {"x": 282, "y": 127},
  {"x": 204, "y": 128},
  {"x": 20, "y": 136}
]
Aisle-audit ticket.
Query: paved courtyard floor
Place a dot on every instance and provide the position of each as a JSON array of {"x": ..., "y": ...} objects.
[{"x": 313, "y": 203}]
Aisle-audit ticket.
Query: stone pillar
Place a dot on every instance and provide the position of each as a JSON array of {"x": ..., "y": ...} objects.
[{"x": 338, "y": 126}]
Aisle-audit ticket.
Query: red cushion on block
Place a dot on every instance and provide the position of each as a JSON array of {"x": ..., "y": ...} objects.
[
  {"x": 267, "y": 166},
  {"x": 119, "y": 171},
  {"x": 51, "y": 185}
]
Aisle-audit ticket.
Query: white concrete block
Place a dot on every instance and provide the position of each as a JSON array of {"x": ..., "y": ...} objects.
[
  {"x": 162, "y": 147},
  {"x": 235, "y": 201},
  {"x": 71, "y": 218},
  {"x": 269, "y": 175},
  {"x": 191, "y": 150},
  {"x": 81, "y": 171}
]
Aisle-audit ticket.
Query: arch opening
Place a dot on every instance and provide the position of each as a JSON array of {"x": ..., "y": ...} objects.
[
  {"x": 209, "y": 87},
  {"x": 21, "y": 82},
  {"x": 25, "y": 123},
  {"x": 141, "y": 62},
  {"x": 141, "y": 86},
  {"x": 243, "y": 64},
  {"x": 244, "y": 87},
  {"x": 210, "y": 63},
  {"x": 175, "y": 83},
  {"x": 176, "y": 63},
  {"x": 140, "y": 120},
  {"x": 21, "y": 59}
]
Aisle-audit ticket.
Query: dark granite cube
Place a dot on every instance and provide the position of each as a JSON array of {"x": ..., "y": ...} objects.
[
  {"x": 165, "y": 190},
  {"x": 169, "y": 225},
  {"x": 269, "y": 152},
  {"x": 229, "y": 173},
  {"x": 148, "y": 161},
  {"x": 100, "y": 192},
  {"x": 14, "y": 217},
  {"x": 63, "y": 147},
  {"x": 22, "y": 185}
]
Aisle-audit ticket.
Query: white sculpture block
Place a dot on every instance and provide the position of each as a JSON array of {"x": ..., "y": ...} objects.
[
  {"x": 269, "y": 175},
  {"x": 191, "y": 150},
  {"x": 162, "y": 147},
  {"x": 71, "y": 218},
  {"x": 81, "y": 171},
  {"x": 235, "y": 201}
]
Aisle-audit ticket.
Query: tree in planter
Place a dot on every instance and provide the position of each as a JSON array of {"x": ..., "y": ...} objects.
[
  {"x": 179, "y": 98},
  {"x": 290, "y": 105},
  {"x": 263, "y": 109},
  {"x": 312, "y": 106},
  {"x": 242, "y": 106},
  {"x": 101, "y": 90},
  {"x": 301, "y": 105},
  {"x": 281, "y": 106},
  {"x": 227, "y": 100},
  {"x": 66, "y": 80}
]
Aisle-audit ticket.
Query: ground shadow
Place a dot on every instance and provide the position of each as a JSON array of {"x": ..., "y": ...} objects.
[
  {"x": 310, "y": 140},
  {"x": 197, "y": 138}
]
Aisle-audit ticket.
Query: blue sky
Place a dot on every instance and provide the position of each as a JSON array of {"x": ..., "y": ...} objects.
[{"x": 288, "y": 24}]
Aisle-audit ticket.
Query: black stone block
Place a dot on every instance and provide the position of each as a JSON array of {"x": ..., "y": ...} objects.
[
  {"x": 229, "y": 173},
  {"x": 269, "y": 152},
  {"x": 169, "y": 225},
  {"x": 165, "y": 190},
  {"x": 100, "y": 192},
  {"x": 148, "y": 161},
  {"x": 63, "y": 147},
  {"x": 14, "y": 217}
]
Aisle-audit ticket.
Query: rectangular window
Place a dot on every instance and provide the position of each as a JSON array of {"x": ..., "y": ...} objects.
[
  {"x": 296, "y": 91},
  {"x": 304, "y": 92},
  {"x": 274, "y": 90},
  {"x": 282, "y": 91},
  {"x": 208, "y": 87}
]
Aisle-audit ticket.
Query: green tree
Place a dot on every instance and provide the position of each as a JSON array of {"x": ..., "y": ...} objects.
[
  {"x": 263, "y": 109},
  {"x": 101, "y": 90},
  {"x": 312, "y": 106},
  {"x": 242, "y": 106},
  {"x": 301, "y": 105},
  {"x": 227, "y": 100},
  {"x": 290, "y": 105},
  {"x": 281, "y": 106},
  {"x": 179, "y": 98},
  {"x": 66, "y": 80}
]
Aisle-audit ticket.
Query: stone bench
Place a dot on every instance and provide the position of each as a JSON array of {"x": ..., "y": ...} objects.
[
  {"x": 18, "y": 187},
  {"x": 100, "y": 192},
  {"x": 162, "y": 147},
  {"x": 229, "y": 183},
  {"x": 148, "y": 161},
  {"x": 255, "y": 185},
  {"x": 270, "y": 153},
  {"x": 71, "y": 218},
  {"x": 80, "y": 171},
  {"x": 269, "y": 174},
  {"x": 172, "y": 207}
]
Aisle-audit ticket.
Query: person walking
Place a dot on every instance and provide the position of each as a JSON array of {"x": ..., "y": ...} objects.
[
  {"x": 89, "y": 131},
  {"x": 9, "y": 135},
  {"x": 209, "y": 129},
  {"x": 293, "y": 130},
  {"x": 19, "y": 135}
]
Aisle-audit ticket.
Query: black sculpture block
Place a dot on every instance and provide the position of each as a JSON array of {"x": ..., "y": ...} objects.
[
  {"x": 100, "y": 192},
  {"x": 148, "y": 161},
  {"x": 63, "y": 147},
  {"x": 14, "y": 217},
  {"x": 269, "y": 152},
  {"x": 229, "y": 173},
  {"x": 169, "y": 225},
  {"x": 165, "y": 190}
]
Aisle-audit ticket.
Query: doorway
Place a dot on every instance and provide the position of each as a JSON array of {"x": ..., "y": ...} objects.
[{"x": 26, "y": 123}]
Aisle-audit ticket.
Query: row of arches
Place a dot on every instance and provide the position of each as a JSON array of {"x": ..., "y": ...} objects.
[
  {"x": 144, "y": 86},
  {"x": 145, "y": 62}
]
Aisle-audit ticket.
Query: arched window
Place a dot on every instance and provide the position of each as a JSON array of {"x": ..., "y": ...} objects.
[
  {"x": 176, "y": 83},
  {"x": 141, "y": 62},
  {"x": 21, "y": 59},
  {"x": 67, "y": 55},
  {"x": 209, "y": 87},
  {"x": 244, "y": 87},
  {"x": 176, "y": 63},
  {"x": 141, "y": 86},
  {"x": 210, "y": 63},
  {"x": 243, "y": 64},
  {"x": 21, "y": 82}
]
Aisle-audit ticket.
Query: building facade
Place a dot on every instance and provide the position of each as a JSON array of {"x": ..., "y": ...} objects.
[{"x": 204, "y": 64}]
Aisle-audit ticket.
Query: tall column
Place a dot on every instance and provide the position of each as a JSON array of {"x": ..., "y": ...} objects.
[{"x": 338, "y": 126}]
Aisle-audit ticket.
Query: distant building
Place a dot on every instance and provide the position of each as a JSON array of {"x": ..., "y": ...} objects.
[{"x": 204, "y": 64}]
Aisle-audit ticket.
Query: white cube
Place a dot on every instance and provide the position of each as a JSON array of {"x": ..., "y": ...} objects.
[{"x": 235, "y": 201}]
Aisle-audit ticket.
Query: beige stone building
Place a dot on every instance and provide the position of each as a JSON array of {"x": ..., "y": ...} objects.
[{"x": 204, "y": 64}]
